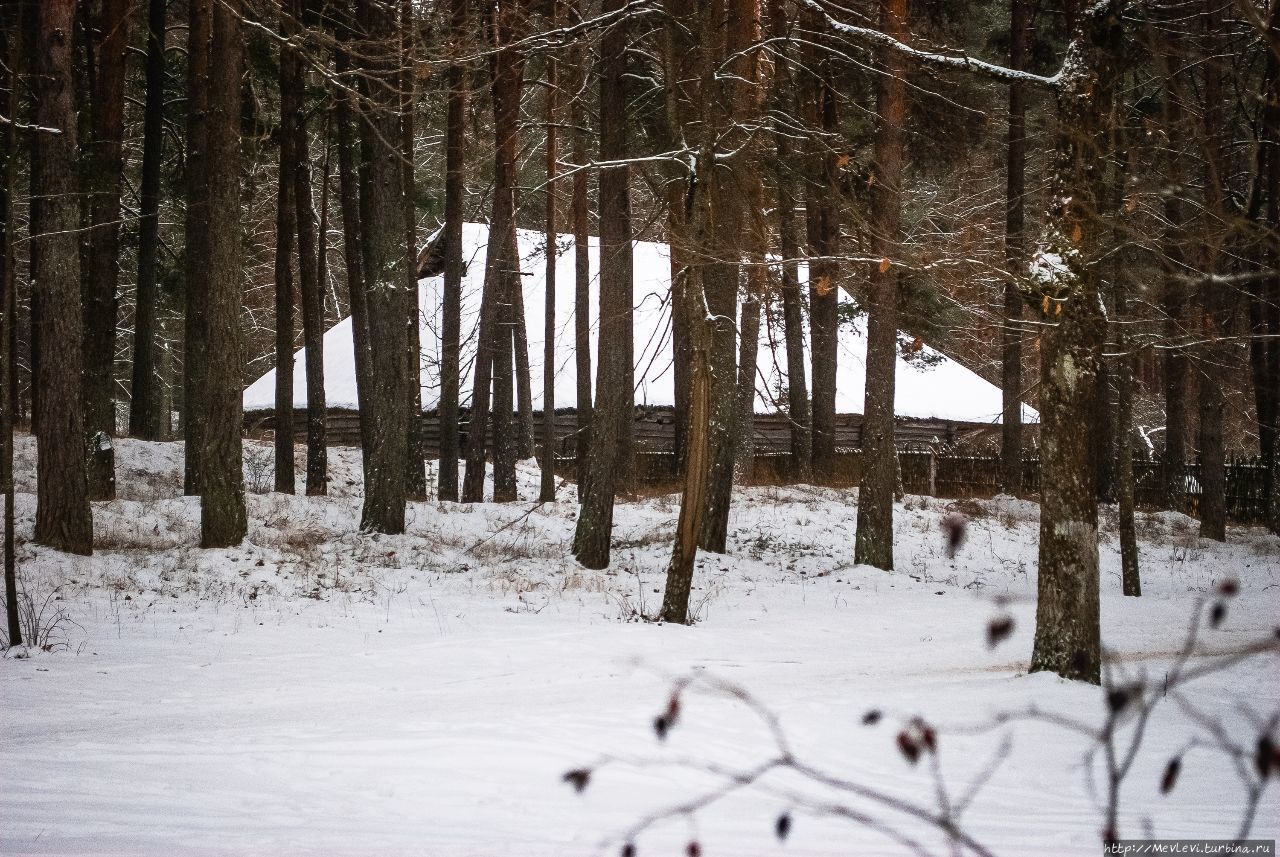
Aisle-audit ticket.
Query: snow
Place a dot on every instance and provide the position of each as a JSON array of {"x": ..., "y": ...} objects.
[
  {"x": 320, "y": 691},
  {"x": 944, "y": 389}
]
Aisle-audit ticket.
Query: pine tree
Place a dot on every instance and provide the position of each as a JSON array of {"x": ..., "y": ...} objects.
[{"x": 63, "y": 518}]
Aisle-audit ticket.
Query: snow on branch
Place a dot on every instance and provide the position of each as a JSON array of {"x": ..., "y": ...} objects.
[
  {"x": 873, "y": 36},
  {"x": 5, "y": 120}
]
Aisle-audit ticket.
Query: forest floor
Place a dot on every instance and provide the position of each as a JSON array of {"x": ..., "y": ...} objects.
[{"x": 321, "y": 691}]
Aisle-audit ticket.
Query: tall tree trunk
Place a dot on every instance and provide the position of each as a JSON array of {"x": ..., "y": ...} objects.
[
  {"x": 1265, "y": 309},
  {"x": 581, "y": 263},
  {"x": 735, "y": 111},
  {"x": 451, "y": 309},
  {"x": 523, "y": 373},
  {"x": 688, "y": 24},
  {"x": 612, "y": 415},
  {"x": 386, "y": 288},
  {"x": 310, "y": 289},
  {"x": 547, "y": 488},
  {"x": 822, "y": 226},
  {"x": 106, "y": 167},
  {"x": 286, "y": 231},
  {"x": 1214, "y": 302},
  {"x": 63, "y": 517},
  {"x": 352, "y": 239},
  {"x": 798, "y": 409},
  {"x": 199, "y": 33},
  {"x": 146, "y": 419},
  {"x": 222, "y": 512},
  {"x": 493, "y": 353},
  {"x": 1173, "y": 299},
  {"x": 12, "y": 45},
  {"x": 416, "y": 476},
  {"x": 873, "y": 544},
  {"x": 1015, "y": 253},
  {"x": 1130, "y": 576},
  {"x": 1066, "y": 289},
  {"x": 507, "y": 434}
]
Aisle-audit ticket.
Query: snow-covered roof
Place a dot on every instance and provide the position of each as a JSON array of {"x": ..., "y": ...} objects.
[{"x": 931, "y": 385}]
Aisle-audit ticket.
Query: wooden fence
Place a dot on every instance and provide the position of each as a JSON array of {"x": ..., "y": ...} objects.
[
  {"x": 928, "y": 462},
  {"x": 653, "y": 428}
]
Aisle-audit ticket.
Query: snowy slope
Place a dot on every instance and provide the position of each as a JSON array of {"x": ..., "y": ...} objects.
[{"x": 946, "y": 390}]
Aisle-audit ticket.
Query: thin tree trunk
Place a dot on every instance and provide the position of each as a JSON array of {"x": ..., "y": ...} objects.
[
  {"x": 798, "y": 408},
  {"x": 580, "y": 214},
  {"x": 506, "y": 428},
  {"x": 106, "y": 166},
  {"x": 1214, "y": 303},
  {"x": 506, "y": 71},
  {"x": 451, "y": 309},
  {"x": 1015, "y": 251},
  {"x": 1174, "y": 294},
  {"x": 1130, "y": 576},
  {"x": 416, "y": 475},
  {"x": 749, "y": 329},
  {"x": 349, "y": 200},
  {"x": 1265, "y": 353},
  {"x": 523, "y": 373},
  {"x": 822, "y": 226},
  {"x": 63, "y": 518},
  {"x": 145, "y": 396},
  {"x": 547, "y": 488},
  {"x": 310, "y": 289},
  {"x": 199, "y": 33},
  {"x": 873, "y": 544},
  {"x": 12, "y": 31},
  {"x": 387, "y": 304},
  {"x": 614, "y": 390},
  {"x": 222, "y": 511},
  {"x": 286, "y": 232}
]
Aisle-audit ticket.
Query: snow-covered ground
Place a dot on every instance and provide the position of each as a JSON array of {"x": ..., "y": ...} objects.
[{"x": 321, "y": 691}]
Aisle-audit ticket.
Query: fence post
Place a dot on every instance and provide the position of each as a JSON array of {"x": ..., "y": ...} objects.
[{"x": 933, "y": 473}]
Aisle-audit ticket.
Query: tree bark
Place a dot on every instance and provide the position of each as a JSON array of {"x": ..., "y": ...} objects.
[
  {"x": 63, "y": 518},
  {"x": 382, "y": 211},
  {"x": 1214, "y": 302},
  {"x": 733, "y": 112},
  {"x": 1265, "y": 300},
  {"x": 416, "y": 475},
  {"x": 286, "y": 231},
  {"x": 1066, "y": 289},
  {"x": 146, "y": 417},
  {"x": 581, "y": 264},
  {"x": 106, "y": 167},
  {"x": 310, "y": 288},
  {"x": 612, "y": 416},
  {"x": 1174, "y": 294},
  {"x": 822, "y": 226},
  {"x": 12, "y": 44},
  {"x": 451, "y": 309},
  {"x": 686, "y": 23},
  {"x": 798, "y": 408},
  {"x": 1015, "y": 253},
  {"x": 199, "y": 34},
  {"x": 547, "y": 488},
  {"x": 493, "y": 353},
  {"x": 352, "y": 239},
  {"x": 222, "y": 511},
  {"x": 873, "y": 544}
]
